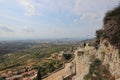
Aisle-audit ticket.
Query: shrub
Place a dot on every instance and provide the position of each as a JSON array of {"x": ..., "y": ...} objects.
[
  {"x": 97, "y": 71},
  {"x": 67, "y": 56}
]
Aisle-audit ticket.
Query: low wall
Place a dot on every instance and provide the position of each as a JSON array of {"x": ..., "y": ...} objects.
[{"x": 69, "y": 77}]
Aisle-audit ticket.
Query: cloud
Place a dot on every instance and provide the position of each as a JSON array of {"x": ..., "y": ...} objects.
[
  {"x": 28, "y": 29},
  {"x": 5, "y": 28},
  {"x": 28, "y": 6},
  {"x": 116, "y": 1},
  {"x": 57, "y": 6},
  {"x": 76, "y": 21},
  {"x": 76, "y": 7},
  {"x": 84, "y": 14},
  {"x": 57, "y": 20},
  {"x": 89, "y": 17}
]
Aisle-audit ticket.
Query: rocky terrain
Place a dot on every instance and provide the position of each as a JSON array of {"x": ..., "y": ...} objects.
[{"x": 106, "y": 64}]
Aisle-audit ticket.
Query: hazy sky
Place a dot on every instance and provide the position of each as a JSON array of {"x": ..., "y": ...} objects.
[{"x": 24, "y": 19}]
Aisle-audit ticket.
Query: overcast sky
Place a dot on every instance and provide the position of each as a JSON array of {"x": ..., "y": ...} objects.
[{"x": 33, "y": 19}]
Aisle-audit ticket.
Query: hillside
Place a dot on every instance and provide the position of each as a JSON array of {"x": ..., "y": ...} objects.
[
  {"x": 105, "y": 65},
  {"x": 32, "y": 57}
]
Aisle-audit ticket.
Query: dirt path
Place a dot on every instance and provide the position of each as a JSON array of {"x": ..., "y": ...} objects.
[{"x": 80, "y": 68}]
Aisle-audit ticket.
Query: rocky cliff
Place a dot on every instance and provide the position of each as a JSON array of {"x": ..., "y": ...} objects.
[
  {"x": 109, "y": 48},
  {"x": 109, "y": 55},
  {"x": 106, "y": 63}
]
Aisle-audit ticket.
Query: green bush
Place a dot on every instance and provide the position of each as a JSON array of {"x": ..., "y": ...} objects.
[
  {"x": 67, "y": 56},
  {"x": 97, "y": 71}
]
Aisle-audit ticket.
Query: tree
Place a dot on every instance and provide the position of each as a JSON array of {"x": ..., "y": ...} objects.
[{"x": 39, "y": 77}]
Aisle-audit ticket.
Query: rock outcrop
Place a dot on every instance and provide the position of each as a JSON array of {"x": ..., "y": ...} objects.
[
  {"x": 108, "y": 46},
  {"x": 109, "y": 56}
]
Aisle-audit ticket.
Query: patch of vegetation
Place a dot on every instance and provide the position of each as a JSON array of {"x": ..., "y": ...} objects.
[
  {"x": 39, "y": 77},
  {"x": 50, "y": 66},
  {"x": 112, "y": 13},
  {"x": 97, "y": 71},
  {"x": 21, "y": 57},
  {"x": 67, "y": 56},
  {"x": 12, "y": 46}
]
